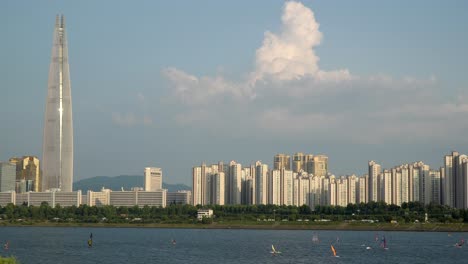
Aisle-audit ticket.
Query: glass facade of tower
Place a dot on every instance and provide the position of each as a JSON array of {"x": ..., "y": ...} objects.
[{"x": 57, "y": 152}]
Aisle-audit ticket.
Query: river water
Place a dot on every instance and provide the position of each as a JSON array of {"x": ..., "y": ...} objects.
[{"x": 153, "y": 245}]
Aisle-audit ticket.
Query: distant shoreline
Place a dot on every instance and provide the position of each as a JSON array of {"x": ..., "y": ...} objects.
[{"x": 416, "y": 227}]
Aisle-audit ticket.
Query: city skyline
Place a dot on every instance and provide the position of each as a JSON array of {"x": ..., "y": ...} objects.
[
  {"x": 368, "y": 81},
  {"x": 313, "y": 185}
]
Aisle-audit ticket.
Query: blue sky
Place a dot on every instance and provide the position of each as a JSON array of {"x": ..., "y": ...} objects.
[{"x": 174, "y": 83}]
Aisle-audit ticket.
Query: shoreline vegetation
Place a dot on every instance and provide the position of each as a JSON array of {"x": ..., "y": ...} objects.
[
  {"x": 343, "y": 226},
  {"x": 347, "y": 226},
  {"x": 372, "y": 216}
]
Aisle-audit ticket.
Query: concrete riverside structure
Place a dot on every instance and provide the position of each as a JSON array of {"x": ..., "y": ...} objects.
[{"x": 139, "y": 198}]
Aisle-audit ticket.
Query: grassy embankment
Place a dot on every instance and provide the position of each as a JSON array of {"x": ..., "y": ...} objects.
[
  {"x": 8, "y": 260},
  {"x": 434, "y": 227}
]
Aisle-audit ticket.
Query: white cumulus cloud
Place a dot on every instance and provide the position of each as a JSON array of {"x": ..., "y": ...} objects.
[{"x": 287, "y": 94}]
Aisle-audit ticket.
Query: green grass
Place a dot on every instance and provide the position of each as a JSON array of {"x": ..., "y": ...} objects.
[{"x": 8, "y": 260}]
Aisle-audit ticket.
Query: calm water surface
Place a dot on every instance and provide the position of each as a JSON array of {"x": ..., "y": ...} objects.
[{"x": 151, "y": 245}]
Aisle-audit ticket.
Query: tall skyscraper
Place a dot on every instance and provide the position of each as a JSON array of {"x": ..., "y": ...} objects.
[
  {"x": 57, "y": 149},
  {"x": 153, "y": 179}
]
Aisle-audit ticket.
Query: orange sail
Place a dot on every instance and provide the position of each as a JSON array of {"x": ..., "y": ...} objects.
[{"x": 333, "y": 250}]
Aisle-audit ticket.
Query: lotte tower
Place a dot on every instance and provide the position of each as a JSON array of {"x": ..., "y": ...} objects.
[{"x": 57, "y": 148}]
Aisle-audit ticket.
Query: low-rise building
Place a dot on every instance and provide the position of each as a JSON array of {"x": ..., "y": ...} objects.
[{"x": 204, "y": 213}]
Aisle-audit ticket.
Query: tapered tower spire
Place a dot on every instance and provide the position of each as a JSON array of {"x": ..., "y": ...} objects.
[{"x": 57, "y": 149}]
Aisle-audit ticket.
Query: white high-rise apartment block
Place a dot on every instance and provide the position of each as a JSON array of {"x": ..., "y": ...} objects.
[
  {"x": 325, "y": 193},
  {"x": 153, "y": 179},
  {"x": 342, "y": 191},
  {"x": 197, "y": 186},
  {"x": 318, "y": 165},
  {"x": 303, "y": 190},
  {"x": 424, "y": 180},
  {"x": 261, "y": 183},
  {"x": 386, "y": 186},
  {"x": 374, "y": 171},
  {"x": 464, "y": 176},
  {"x": 362, "y": 190},
  {"x": 434, "y": 176},
  {"x": 460, "y": 180},
  {"x": 236, "y": 182},
  {"x": 448, "y": 181},
  {"x": 298, "y": 162},
  {"x": 315, "y": 191},
  {"x": 274, "y": 187},
  {"x": 287, "y": 187},
  {"x": 352, "y": 187},
  {"x": 405, "y": 183},
  {"x": 248, "y": 185},
  {"x": 208, "y": 185},
  {"x": 396, "y": 186},
  {"x": 415, "y": 174},
  {"x": 332, "y": 191},
  {"x": 217, "y": 185},
  {"x": 295, "y": 189}
]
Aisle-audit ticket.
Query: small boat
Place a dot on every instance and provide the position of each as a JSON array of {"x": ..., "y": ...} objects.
[
  {"x": 334, "y": 251},
  {"x": 274, "y": 251}
]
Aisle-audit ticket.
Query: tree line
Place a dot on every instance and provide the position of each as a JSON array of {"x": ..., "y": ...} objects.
[{"x": 177, "y": 213}]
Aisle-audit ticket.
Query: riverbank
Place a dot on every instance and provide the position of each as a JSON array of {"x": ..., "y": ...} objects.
[{"x": 352, "y": 226}]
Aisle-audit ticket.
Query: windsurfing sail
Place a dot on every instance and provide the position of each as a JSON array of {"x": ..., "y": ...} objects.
[
  {"x": 460, "y": 244},
  {"x": 333, "y": 250},
  {"x": 90, "y": 240},
  {"x": 7, "y": 245},
  {"x": 384, "y": 243},
  {"x": 315, "y": 238},
  {"x": 273, "y": 250}
]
